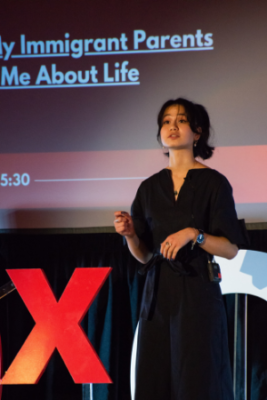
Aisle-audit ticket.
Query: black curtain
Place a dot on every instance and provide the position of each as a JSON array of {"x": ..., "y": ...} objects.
[{"x": 112, "y": 318}]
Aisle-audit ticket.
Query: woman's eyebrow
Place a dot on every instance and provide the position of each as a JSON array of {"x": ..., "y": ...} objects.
[{"x": 168, "y": 115}]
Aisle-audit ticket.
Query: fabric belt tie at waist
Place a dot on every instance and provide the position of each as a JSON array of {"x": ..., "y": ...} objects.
[
  {"x": 150, "y": 291},
  {"x": 175, "y": 265}
]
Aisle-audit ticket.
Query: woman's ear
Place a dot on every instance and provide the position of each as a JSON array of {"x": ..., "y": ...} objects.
[{"x": 197, "y": 136}]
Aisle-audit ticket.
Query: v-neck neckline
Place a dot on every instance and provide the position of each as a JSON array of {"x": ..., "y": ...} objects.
[
  {"x": 169, "y": 171},
  {"x": 175, "y": 201}
]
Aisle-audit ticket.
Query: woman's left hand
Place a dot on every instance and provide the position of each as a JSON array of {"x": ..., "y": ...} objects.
[{"x": 173, "y": 243}]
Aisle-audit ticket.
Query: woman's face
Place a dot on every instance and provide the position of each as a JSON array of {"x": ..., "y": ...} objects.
[{"x": 176, "y": 132}]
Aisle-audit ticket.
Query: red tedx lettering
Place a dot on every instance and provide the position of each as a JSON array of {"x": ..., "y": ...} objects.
[{"x": 57, "y": 326}]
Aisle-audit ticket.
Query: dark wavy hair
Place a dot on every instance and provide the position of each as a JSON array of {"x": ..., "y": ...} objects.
[{"x": 197, "y": 117}]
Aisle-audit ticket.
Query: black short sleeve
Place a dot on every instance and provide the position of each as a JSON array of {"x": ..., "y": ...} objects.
[
  {"x": 223, "y": 218},
  {"x": 141, "y": 225}
]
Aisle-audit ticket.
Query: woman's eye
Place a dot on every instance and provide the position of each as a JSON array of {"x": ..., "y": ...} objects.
[
  {"x": 182, "y": 120},
  {"x": 166, "y": 122}
]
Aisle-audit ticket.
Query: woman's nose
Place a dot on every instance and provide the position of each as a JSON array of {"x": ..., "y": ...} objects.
[{"x": 174, "y": 127}]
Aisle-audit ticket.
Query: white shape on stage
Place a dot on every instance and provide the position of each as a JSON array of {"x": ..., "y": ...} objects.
[{"x": 246, "y": 273}]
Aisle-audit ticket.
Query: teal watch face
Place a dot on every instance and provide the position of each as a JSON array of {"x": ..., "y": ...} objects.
[{"x": 200, "y": 238}]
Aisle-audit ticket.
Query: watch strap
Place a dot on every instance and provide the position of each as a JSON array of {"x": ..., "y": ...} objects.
[{"x": 200, "y": 238}]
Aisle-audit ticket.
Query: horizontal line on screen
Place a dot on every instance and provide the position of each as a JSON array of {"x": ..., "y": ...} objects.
[
  {"x": 148, "y": 51},
  {"x": 69, "y": 85},
  {"x": 40, "y": 55},
  {"x": 100, "y": 53},
  {"x": 89, "y": 179}
]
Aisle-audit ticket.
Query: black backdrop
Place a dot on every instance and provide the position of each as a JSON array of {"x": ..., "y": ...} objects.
[{"x": 112, "y": 318}]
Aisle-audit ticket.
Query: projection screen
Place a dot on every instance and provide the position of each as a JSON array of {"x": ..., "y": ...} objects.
[{"x": 81, "y": 83}]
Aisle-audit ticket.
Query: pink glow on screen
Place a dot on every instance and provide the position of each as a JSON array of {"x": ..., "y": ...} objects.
[{"x": 110, "y": 178}]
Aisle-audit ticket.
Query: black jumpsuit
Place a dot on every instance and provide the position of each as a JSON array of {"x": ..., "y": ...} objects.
[{"x": 182, "y": 343}]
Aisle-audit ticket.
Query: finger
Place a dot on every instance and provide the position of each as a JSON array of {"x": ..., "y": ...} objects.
[
  {"x": 118, "y": 214},
  {"x": 122, "y": 230},
  {"x": 126, "y": 216},
  {"x": 122, "y": 225},
  {"x": 174, "y": 253},
  {"x": 165, "y": 250},
  {"x": 162, "y": 247},
  {"x": 170, "y": 252},
  {"x": 123, "y": 215},
  {"x": 120, "y": 219}
]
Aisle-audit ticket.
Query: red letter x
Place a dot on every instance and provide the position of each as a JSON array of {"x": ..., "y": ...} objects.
[{"x": 57, "y": 326}]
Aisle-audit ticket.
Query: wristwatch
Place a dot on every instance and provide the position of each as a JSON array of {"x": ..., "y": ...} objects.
[{"x": 200, "y": 237}]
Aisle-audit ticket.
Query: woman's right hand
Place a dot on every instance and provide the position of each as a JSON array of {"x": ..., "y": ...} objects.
[{"x": 124, "y": 224}]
